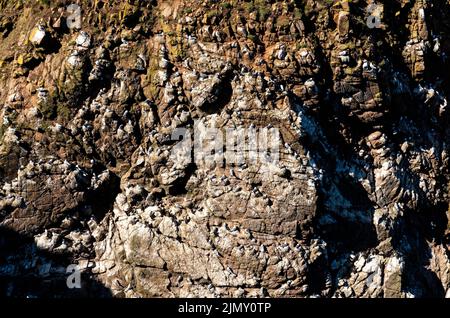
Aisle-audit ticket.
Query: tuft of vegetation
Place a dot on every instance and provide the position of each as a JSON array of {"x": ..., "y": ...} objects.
[
  {"x": 48, "y": 107},
  {"x": 212, "y": 13},
  {"x": 54, "y": 107},
  {"x": 2, "y": 131},
  {"x": 298, "y": 13},
  {"x": 63, "y": 111},
  {"x": 226, "y": 5},
  {"x": 252, "y": 37},
  {"x": 248, "y": 7},
  {"x": 45, "y": 2},
  {"x": 263, "y": 9},
  {"x": 301, "y": 45}
]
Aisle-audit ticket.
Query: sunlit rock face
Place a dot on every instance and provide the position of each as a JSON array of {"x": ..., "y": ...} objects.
[{"x": 347, "y": 198}]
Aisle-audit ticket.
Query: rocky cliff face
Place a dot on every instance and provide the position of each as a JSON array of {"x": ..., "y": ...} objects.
[{"x": 357, "y": 205}]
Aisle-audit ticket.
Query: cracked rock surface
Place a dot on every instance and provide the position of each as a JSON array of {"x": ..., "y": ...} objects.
[{"x": 356, "y": 206}]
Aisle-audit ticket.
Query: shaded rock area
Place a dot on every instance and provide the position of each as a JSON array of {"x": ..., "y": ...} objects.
[{"x": 356, "y": 206}]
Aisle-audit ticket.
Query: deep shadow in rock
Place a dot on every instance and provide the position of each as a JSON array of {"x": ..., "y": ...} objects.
[
  {"x": 352, "y": 229},
  {"x": 103, "y": 198},
  {"x": 27, "y": 271},
  {"x": 224, "y": 93},
  {"x": 412, "y": 241}
]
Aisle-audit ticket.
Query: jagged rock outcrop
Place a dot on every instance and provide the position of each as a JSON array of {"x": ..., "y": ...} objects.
[{"x": 357, "y": 204}]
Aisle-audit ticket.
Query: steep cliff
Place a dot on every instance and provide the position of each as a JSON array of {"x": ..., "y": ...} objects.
[{"x": 357, "y": 204}]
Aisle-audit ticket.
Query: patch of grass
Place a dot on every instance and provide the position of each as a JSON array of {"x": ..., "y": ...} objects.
[
  {"x": 308, "y": 9},
  {"x": 151, "y": 90},
  {"x": 252, "y": 37},
  {"x": 248, "y": 7},
  {"x": 63, "y": 111},
  {"x": 298, "y": 13},
  {"x": 226, "y": 5},
  {"x": 349, "y": 46},
  {"x": 49, "y": 107},
  {"x": 54, "y": 107},
  {"x": 301, "y": 45},
  {"x": 2, "y": 131},
  {"x": 212, "y": 13},
  {"x": 263, "y": 9},
  {"x": 44, "y": 127}
]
